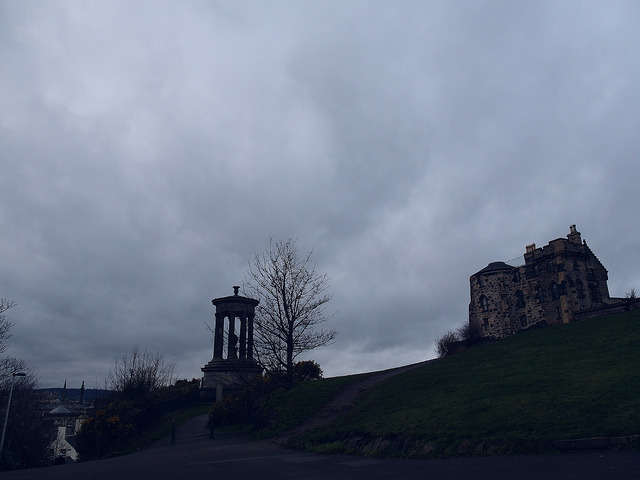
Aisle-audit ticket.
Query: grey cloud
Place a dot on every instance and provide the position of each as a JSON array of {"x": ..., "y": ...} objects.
[{"x": 148, "y": 150}]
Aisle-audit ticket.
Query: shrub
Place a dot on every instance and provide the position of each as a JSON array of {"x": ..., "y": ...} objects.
[
  {"x": 252, "y": 405},
  {"x": 457, "y": 341},
  {"x": 102, "y": 434},
  {"x": 446, "y": 344},
  {"x": 306, "y": 370}
]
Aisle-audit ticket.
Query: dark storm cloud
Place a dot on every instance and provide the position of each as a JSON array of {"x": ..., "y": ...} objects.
[{"x": 149, "y": 149}]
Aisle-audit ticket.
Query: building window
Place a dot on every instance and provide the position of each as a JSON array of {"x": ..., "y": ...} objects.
[
  {"x": 519, "y": 299},
  {"x": 480, "y": 281},
  {"x": 523, "y": 321},
  {"x": 555, "y": 295},
  {"x": 485, "y": 324},
  {"x": 562, "y": 288},
  {"x": 579, "y": 288},
  {"x": 550, "y": 267},
  {"x": 516, "y": 275},
  {"x": 484, "y": 304},
  {"x": 595, "y": 293},
  {"x": 539, "y": 294}
]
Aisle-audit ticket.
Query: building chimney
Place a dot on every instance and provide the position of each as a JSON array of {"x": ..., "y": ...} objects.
[{"x": 574, "y": 235}]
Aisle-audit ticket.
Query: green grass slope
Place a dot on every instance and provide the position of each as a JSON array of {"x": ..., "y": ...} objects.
[
  {"x": 517, "y": 395},
  {"x": 289, "y": 408}
]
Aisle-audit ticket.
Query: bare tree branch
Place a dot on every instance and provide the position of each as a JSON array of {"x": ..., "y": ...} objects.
[
  {"x": 5, "y": 324},
  {"x": 292, "y": 300},
  {"x": 139, "y": 373}
]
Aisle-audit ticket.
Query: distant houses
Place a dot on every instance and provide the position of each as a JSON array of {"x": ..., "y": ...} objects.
[{"x": 62, "y": 413}]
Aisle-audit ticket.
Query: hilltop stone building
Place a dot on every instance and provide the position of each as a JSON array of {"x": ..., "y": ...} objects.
[{"x": 558, "y": 283}]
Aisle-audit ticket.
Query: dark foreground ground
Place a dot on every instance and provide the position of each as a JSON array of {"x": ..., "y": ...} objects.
[{"x": 232, "y": 456}]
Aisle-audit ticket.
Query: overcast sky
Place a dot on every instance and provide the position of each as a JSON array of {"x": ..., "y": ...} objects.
[{"x": 149, "y": 148}]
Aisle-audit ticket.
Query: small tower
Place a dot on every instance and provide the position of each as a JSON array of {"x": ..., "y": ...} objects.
[{"x": 232, "y": 364}]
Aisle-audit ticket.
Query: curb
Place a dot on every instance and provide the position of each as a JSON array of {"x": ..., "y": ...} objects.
[{"x": 595, "y": 443}]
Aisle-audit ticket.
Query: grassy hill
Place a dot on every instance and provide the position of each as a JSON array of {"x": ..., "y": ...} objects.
[{"x": 517, "y": 395}]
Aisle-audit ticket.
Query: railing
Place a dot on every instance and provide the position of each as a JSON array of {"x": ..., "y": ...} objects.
[{"x": 516, "y": 262}]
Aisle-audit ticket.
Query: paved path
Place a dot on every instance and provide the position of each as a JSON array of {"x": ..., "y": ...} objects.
[{"x": 233, "y": 456}]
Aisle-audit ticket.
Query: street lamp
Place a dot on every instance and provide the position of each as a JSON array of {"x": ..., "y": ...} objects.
[{"x": 6, "y": 413}]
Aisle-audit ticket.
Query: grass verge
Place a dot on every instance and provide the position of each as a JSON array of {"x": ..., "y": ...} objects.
[{"x": 517, "y": 395}]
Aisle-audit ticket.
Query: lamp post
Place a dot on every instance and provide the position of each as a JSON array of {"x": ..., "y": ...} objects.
[{"x": 6, "y": 413}]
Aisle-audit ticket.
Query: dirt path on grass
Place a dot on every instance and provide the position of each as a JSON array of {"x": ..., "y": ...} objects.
[{"x": 343, "y": 402}]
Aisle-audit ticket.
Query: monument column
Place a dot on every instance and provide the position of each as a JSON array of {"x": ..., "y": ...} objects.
[
  {"x": 218, "y": 337},
  {"x": 243, "y": 336},
  {"x": 233, "y": 340},
  {"x": 250, "y": 336}
]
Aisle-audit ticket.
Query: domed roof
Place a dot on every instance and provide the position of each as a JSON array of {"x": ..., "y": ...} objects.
[
  {"x": 235, "y": 300},
  {"x": 497, "y": 267},
  {"x": 61, "y": 410}
]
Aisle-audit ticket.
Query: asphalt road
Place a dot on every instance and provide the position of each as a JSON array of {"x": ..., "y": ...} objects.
[{"x": 233, "y": 456}]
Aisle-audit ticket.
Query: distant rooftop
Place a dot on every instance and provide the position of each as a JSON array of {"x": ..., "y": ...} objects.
[
  {"x": 496, "y": 267},
  {"x": 61, "y": 410}
]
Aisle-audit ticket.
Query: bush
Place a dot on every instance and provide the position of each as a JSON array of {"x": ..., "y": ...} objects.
[
  {"x": 102, "y": 434},
  {"x": 446, "y": 344},
  {"x": 231, "y": 410},
  {"x": 250, "y": 405},
  {"x": 468, "y": 332},
  {"x": 306, "y": 370},
  {"x": 245, "y": 406},
  {"x": 457, "y": 341}
]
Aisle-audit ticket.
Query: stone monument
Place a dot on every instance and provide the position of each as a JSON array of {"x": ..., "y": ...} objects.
[{"x": 232, "y": 364}]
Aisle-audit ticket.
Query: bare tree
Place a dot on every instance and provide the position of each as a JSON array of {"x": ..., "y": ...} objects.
[
  {"x": 139, "y": 373},
  {"x": 445, "y": 345},
  {"x": 292, "y": 299},
  {"x": 23, "y": 430},
  {"x": 5, "y": 324},
  {"x": 467, "y": 332},
  {"x": 458, "y": 340}
]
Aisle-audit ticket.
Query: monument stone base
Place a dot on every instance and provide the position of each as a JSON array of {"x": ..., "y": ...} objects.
[{"x": 224, "y": 376}]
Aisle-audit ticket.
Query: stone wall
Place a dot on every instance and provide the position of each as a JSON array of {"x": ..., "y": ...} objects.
[{"x": 621, "y": 305}]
